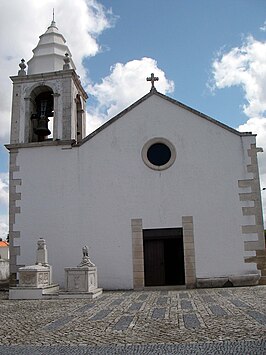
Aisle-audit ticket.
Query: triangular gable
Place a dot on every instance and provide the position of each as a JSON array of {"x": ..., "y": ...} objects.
[{"x": 173, "y": 101}]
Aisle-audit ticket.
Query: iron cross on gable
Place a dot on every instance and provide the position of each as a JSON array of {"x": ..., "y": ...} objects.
[{"x": 152, "y": 79}]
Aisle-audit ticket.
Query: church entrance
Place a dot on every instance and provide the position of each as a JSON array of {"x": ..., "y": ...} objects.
[{"x": 163, "y": 257}]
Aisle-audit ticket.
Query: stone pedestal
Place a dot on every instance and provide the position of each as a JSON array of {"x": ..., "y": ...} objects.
[
  {"x": 32, "y": 293},
  {"x": 35, "y": 280},
  {"x": 37, "y": 276},
  {"x": 82, "y": 280}
]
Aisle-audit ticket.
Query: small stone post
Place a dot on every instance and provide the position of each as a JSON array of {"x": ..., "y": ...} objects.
[{"x": 41, "y": 255}]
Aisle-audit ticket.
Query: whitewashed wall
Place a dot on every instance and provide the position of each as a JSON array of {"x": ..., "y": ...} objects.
[
  {"x": 88, "y": 195},
  {"x": 4, "y": 252},
  {"x": 4, "y": 270}
]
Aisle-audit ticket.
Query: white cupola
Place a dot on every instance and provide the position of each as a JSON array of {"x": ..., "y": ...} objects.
[{"x": 50, "y": 52}]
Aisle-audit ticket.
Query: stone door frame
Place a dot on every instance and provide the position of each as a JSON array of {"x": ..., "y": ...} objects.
[{"x": 138, "y": 255}]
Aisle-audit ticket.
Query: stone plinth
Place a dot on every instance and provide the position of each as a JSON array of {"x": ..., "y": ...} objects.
[
  {"x": 82, "y": 280},
  {"x": 34, "y": 276},
  {"x": 35, "y": 280},
  {"x": 32, "y": 293}
]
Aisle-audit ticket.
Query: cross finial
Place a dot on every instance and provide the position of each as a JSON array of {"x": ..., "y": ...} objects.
[
  {"x": 152, "y": 79},
  {"x": 53, "y": 14}
]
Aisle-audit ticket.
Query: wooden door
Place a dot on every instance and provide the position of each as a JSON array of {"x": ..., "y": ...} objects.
[{"x": 154, "y": 266}]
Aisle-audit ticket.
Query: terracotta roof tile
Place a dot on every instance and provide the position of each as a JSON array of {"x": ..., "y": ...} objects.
[{"x": 4, "y": 244}]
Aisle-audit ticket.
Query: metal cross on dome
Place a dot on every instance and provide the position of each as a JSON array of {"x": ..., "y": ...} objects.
[{"x": 152, "y": 79}]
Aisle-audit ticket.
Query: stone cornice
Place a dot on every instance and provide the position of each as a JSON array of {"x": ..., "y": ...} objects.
[
  {"x": 61, "y": 74},
  {"x": 47, "y": 143}
]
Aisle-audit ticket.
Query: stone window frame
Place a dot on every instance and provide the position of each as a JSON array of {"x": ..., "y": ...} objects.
[{"x": 155, "y": 140}]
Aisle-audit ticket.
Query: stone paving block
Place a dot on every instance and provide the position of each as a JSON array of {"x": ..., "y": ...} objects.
[
  {"x": 123, "y": 323},
  {"x": 238, "y": 303},
  {"x": 135, "y": 306},
  {"x": 186, "y": 304},
  {"x": 117, "y": 302},
  {"x": 59, "y": 323},
  {"x": 101, "y": 314},
  {"x": 217, "y": 310},
  {"x": 158, "y": 313},
  {"x": 258, "y": 316},
  {"x": 191, "y": 321}
]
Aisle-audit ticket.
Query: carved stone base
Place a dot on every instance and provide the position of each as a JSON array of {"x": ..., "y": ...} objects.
[
  {"x": 32, "y": 293},
  {"x": 37, "y": 276},
  {"x": 81, "y": 279}
]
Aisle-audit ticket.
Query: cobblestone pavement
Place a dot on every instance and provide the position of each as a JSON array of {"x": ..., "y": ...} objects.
[{"x": 203, "y": 321}]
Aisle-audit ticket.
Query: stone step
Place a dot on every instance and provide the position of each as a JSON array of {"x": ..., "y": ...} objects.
[{"x": 262, "y": 280}]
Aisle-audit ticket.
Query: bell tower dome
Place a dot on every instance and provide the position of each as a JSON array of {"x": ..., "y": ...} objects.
[
  {"x": 49, "y": 54},
  {"x": 48, "y": 98}
]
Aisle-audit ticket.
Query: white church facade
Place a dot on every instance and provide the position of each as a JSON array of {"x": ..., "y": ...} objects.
[{"x": 162, "y": 194}]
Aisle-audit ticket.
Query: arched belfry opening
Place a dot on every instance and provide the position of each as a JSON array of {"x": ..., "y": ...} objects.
[{"x": 42, "y": 114}]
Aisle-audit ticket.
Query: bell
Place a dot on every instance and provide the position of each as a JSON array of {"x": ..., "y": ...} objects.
[{"x": 42, "y": 129}]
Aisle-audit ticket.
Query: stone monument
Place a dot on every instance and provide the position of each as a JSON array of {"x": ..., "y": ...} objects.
[
  {"x": 81, "y": 281},
  {"x": 35, "y": 281}
]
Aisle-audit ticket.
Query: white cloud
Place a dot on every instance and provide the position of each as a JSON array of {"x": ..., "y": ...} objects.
[
  {"x": 245, "y": 66},
  {"x": 263, "y": 27},
  {"x": 3, "y": 226},
  {"x": 4, "y": 189},
  {"x": 3, "y": 204},
  {"x": 125, "y": 84}
]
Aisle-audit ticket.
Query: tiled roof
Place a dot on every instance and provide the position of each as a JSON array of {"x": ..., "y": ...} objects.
[{"x": 4, "y": 244}]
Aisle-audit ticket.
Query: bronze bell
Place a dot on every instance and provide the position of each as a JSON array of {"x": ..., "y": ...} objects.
[{"x": 42, "y": 129}]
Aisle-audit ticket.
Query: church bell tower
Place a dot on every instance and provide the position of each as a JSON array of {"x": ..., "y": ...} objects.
[
  {"x": 48, "y": 98},
  {"x": 48, "y": 109}
]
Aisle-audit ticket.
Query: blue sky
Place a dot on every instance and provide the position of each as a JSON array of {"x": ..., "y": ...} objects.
[
  {"x": 183, "y": 37},
  {"x": 180, "y": 39}
]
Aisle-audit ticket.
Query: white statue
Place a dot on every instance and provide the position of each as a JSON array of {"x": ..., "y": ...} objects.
[{"x": 85, "y": 258}]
